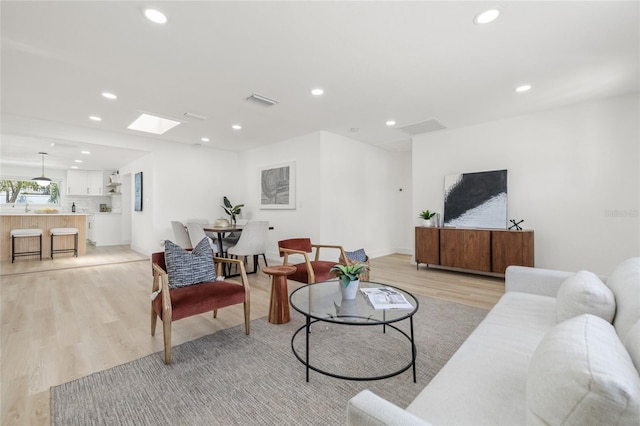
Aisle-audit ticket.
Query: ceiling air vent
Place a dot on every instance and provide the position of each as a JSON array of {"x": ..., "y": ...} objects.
[
  {"x": 194, "y": 116},
  {"x": 261, "y": 100},
  {"x": 422, "y": 127}
]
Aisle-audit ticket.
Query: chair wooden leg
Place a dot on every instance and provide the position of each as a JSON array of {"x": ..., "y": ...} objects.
[
  {"x": 154, "y": 319},
  {"x": 215, "y": 313},
  {"x": 247, "y": 319},
  {"x": 166, "y": 328}
]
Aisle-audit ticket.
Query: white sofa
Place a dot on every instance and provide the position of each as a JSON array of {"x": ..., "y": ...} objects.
[{"x": 547, "y": 353}]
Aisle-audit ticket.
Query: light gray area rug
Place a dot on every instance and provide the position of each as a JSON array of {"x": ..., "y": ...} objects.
[{"x": 228, "y": 378}]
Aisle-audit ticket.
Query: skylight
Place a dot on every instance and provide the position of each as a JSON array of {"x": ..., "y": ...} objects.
[{"x": 152, "y": 124}]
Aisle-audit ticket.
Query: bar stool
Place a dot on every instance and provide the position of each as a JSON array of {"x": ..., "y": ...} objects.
[
  {"x": 279, "y": 303},
  {"x": 65, "y": 231},
  {"x": 24, "y": 233}
]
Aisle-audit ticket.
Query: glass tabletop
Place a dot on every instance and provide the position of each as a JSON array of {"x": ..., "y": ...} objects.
[{"x": 323, "y": 301}]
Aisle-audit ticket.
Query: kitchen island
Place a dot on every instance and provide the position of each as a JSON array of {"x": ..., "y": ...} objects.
[{"x": 9, "y": 221}]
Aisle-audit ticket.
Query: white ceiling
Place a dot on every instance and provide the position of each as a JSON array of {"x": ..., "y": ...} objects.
[{"x": 408, "y": 61}]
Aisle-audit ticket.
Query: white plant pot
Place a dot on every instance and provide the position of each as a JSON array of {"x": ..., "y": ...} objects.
[
  {"x": 426, "y": 222},
  {"x": 350, "y": 291}
]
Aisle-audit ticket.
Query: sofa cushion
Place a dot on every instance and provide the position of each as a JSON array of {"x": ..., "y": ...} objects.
[
  {"x": 625, "y": 284},
  {"x": 484, "y": 382},
  {"x": 632, "y": 344},
  {"x": 584, "y": 293},
  {"x": 186, "y": 268},
  {"x": 581, "y": 374}
]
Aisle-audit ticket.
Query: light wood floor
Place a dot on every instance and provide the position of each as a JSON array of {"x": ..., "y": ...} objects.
[{"x": 66, "y": 318}]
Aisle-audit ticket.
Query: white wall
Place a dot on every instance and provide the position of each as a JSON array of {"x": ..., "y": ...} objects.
[
  {"x": 345, "y": 193},
  {"x": 404, "y": 234},
  {"x": 573, "y": 176},
  {"x": 359, "y": 191},
  {"x": 304, "y": 220},
  {"x": 179, "y": 183}
]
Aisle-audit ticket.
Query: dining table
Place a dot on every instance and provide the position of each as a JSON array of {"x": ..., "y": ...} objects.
[{"x": 220, "y": 231}]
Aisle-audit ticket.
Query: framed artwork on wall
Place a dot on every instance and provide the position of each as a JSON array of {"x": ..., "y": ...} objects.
[
  {"x": 278, "y": 186},
  {"x": 476, "y": 200},
  {"x": 138, "y": 192}
]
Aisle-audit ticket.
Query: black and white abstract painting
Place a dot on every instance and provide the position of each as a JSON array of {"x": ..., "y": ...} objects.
[
  {"x": 476, "y": 200},
  {"x": 278, "y": 186}
]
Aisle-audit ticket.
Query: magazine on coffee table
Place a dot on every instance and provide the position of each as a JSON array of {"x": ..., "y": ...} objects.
[{"x": 386, "y": 298}]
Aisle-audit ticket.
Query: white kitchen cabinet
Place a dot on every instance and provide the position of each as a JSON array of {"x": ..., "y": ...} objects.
[
  {"x": 107, "y": 229},
  {"x": 96, "y": 182},
  {"x": 76, "y": 182},
  {"x": 86, "y": 182}
]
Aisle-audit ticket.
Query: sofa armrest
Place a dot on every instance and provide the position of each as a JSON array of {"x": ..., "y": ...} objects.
[
  {"x": 368, "y": 409},
  {"x": 544, "y": 282}
]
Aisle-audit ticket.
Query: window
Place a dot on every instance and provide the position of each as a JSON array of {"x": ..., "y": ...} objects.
[{"x": 23, "y": 191}]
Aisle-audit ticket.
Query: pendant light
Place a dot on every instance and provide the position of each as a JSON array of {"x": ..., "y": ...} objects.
[{"x": 42, "y": 181}]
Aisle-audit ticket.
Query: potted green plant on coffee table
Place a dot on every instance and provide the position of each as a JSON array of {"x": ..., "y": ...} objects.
[{"x": 348, "y": 276}]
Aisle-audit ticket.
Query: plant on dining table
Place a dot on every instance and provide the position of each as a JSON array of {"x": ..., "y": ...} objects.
[
  {"x": 231, "y": 210},
  {"x": 348, "y": 273}
]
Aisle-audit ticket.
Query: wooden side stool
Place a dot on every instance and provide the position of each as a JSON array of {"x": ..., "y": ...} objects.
[
  {"x": 279, "y": 312},
  {"x": 24, "y": 233},
  {"x": 65, "y": 231}
]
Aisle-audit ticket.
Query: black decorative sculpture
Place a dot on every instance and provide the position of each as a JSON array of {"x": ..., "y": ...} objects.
[{"x": 516, "y": 225}]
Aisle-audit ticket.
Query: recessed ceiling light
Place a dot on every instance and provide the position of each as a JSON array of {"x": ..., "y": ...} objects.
[
  {"x": 85, "y": 152},
  {"x": 152, "y": 124},
  {"x": 236, "y": 127},
  {"x": 317, "y": 92},
  {"x": 156, "y": 16},
  {"x": 487, "y": 16},
  {"x": 204, "y": 139},
  {"x": 109, "y": 95},
  {"x": 77, "y": 161},
  {"x": 391, "y": 123},
  {"x": 74, "y": 167},
  {"x": 95, "y": 118},
  {"x": 523, "y": 88}
]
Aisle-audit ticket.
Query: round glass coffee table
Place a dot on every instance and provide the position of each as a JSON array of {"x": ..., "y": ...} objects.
[{"x": 318, "y": 303}]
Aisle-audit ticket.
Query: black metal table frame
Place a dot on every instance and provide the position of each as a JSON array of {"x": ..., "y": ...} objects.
[{"x": 308, "y": 366}]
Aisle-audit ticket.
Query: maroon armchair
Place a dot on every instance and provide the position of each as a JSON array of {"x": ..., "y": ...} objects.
[
  {"x": 177, "y": 303},
  {"x": 309, "y": 271}
]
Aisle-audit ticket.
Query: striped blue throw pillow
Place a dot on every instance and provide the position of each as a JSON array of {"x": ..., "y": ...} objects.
[
  {"x": 358, "y": 255},
  {"x": 186, "y": 268}
]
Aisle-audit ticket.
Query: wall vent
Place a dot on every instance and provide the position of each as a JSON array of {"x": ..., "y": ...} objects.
[
  {"x": 261, "y": 100},
  {"x": 422, "y": 127}
]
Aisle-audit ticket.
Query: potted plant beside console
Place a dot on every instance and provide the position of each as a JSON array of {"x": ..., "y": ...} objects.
[
  {"x": 348, "y": 276},
  {"x": 427, "y": 217}
]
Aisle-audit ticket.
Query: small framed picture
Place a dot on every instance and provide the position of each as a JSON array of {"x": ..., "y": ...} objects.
[
  {"x": 138, "y": 192},
  {"x": 278, "y": 186}
]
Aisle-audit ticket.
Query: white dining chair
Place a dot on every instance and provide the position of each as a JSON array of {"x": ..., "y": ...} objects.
[
  {"x": 252, "y": 242},
  {"x": 196, "y": 234},
  {"x": 233, "y": 237},
  {"x": 181, "y": 235},
  {"x": 204, "y": 222}
]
